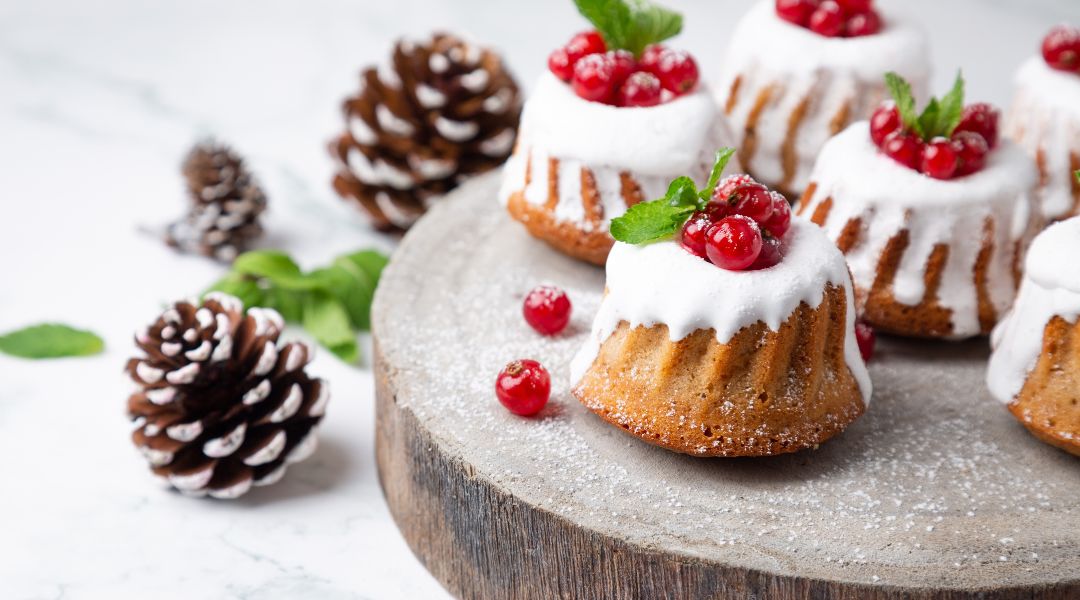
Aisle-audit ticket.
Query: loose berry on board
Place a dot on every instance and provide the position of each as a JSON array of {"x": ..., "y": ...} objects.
[
  {"x": 939, "y": 159},
  {"x": 692, "y": 235},
  {"x": 980, "y": 118},
  {"x": 866, "y": 338},
  {"x": 639, "y": 90},
  {"x": 594, "y": 78},
  {"x": 885, "y": 120},
  {"x": 733, "y": 243},
  {"x": 547, "y": 309},
  {"x": 771, "y": 253},
  {"x": 1061, "y": 48},
  {"x": 677, "y": 70},
  {"x": 862, "y": 24},
  {"x": 796, "y": 11},
  {"x": 971, "y": 150},
  {"x": 523, "y": 387},
  {"x": 827, "y": 19},
  {"x": 903, "y": 148},
  {"x": 752, "y": 200},
  {"x": 780, "y": 221}
]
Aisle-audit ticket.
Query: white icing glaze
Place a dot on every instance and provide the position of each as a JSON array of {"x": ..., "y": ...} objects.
[
  {"x": 1045, "y": 116},
  {"x": 1051, "y": 287},
  {"x": 888, "y": 197},
  {"x": 796, "y": 63},
  {"x": 662, "y": 283},
  {"x": 654, "y": 145}
]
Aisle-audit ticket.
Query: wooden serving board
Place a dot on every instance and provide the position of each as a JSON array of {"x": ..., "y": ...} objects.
[{"x": 936, "y": 493}]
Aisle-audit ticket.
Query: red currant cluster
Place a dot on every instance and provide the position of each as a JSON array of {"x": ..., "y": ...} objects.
[
  {"x": 961, "y": 154},
  {"x": 617, "y": 77},
  {"x": 1061, "y": 48},
  {"x": 832, "y": 18},
  {"x": 741, "y": 227}
]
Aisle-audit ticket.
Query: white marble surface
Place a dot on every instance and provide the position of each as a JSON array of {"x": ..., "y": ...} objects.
[{"x": 98, "y": 102}]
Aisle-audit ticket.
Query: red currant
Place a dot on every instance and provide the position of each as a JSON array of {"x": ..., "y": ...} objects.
[
  {"x": 1061, "y": 48},
  {"x": 796, "y": 11},
  {"x": 885, "y": 120},
  {"x": 862, "y": 23},
  {"x": 650, "y": 58},
  {"x": 625, "y": 65},
  {"x": 594, "y": 78},
  {"x": 865, "y": 337},
  {"x": 692, "y": 236},
  {"x": 971, "y": 150},
  {"x": 827, "y": 20},
  {"x": 559, "y": 63},
  {"x": 980, "y": 118},
  {"x": 523, "y": 387},
  {"x": 855, "y": 6},
  {"x": 904, "y": 149},
  {"x": 733, "y": 243},
  {"x": 752, "y": 200},
  {"x": 727, "y": 187},
  {"x": 771, "y": 253},
  {"x": 780, "y": 221},
  {"x": 939, "y": 159},
  {"x": 587, "y": 42},
  {"x": 677, "y": 70},
  {"x": 547, "y": 309},
  {"x": 640, "y": 89}
]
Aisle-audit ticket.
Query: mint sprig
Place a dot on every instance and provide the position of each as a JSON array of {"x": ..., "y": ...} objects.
[
  {"x": 50, "y": 340},
  {"x": 332, "y": 303},
  {"x": 653, "y": 221},
  {"x": 630, "y": 24},
  {"x": 938, "y": 119}
]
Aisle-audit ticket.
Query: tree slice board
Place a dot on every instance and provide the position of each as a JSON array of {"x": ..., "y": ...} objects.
[{"x": 937, "y": 492}]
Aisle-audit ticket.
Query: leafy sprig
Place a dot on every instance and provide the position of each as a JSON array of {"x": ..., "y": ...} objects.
[
  {"x": 630, "y": 24},
  {"x": 50, "y": 340},
  {"x": 652, "y": 221},
  {"x": 332, "y": 303},
  {"x": 938, "y": 119}
]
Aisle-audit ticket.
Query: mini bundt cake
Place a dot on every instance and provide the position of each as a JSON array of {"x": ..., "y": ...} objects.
[
  {"x": 606, "y": 128},
  {"x": 754, "y": 354},
  {"x": 933, "y": 223},
  {"x": 788, "y": 84},
  {"x": 1035, "y": 366},
  {"x": 1045, "y": 121}
]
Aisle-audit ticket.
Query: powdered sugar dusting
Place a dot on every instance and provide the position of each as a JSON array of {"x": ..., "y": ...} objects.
[{"x": 920, "y": 491}]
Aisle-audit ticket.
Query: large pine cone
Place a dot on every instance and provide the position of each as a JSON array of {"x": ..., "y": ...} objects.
[
  {"x": 221, "y": 405},
  {"x": 226, "y": 204},
  {"x": 439, "y": 112}
]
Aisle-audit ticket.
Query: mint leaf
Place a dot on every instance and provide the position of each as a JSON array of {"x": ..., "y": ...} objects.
[
  {"x": 274, "y": 265},
  {"x": 630, "y": 24},
  {"x": 1077, "y": 175},
  {"x": 650, "y": 221},
  {"x": 365, "y": 269},
  {"x": 50, "y": 340},
  {"x": 327, "y": 321},
  {"x": 682, "y": 192},
  {"x": 723, "y": 155},
  {"x": 244, "y": 287},
  {"x": 928, "y": 120},
  {"x": 951, "y": 109},
  {"x": 900, "y": 91}
]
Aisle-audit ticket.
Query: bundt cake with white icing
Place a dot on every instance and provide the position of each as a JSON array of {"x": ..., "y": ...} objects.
[
  {"x": 1045, "y": 121},
  {"x": 715, "y": 353},
  {"x": 789, "y": 83},
  {"x": 933, "y": 218},
  {"x": 1035, "y": 366},
  {"x": 608, "y": 127}
]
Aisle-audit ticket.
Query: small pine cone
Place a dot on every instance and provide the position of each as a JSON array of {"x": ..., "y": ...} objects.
[
  {"x": 226, "y": 204},
  {"x": 221, "y": 405},
  {"x": 439, "y": 112}
]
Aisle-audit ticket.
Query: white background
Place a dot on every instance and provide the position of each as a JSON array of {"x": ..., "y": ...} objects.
[{"x": 98, "y": 103}]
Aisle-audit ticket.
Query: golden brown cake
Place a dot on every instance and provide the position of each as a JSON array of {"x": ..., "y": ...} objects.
[
  {"x": 930, "y": 258},
  {"x": 709, "y": 362},
  {"x": 1035, "y": 366}
]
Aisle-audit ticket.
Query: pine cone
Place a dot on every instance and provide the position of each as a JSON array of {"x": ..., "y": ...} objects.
[
  {"x": 226, "y": 203},
  {"x": 439, "y": 112},
  {"x": 221, "y": 406}
]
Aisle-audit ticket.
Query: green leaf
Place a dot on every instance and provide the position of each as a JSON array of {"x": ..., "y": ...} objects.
[
  {"x": 900, "y": 91},
  {"x": 272, "y": 264},
  {"x": 287, "y": 302},
  {"x": 610, "y": 17},
  {"x": 650, "y": 221},
  {"x": 630, "y": 24},
  {"x": 928, "y": 119},
  {"x": 951, "y": 109},
  {"x": 1077, "y": 175},
  {"x": 723, "y": 155},
  {"x": 371, "y": 261},
  {"x": 326, "y": 319},
  {"x": 243, "y": 287},
  {"x": 50, "y": 340},
  {"x": 682, "y": 192}
]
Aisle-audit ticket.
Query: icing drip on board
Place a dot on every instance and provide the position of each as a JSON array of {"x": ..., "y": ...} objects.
[
  {"x": 1045, "y": 119},
  {"x": 889, "y": 198},
  {"x": 662, "y": 283},
  {"x": 818, "y": 83},
  {"x": 1050, "y": 288}
]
